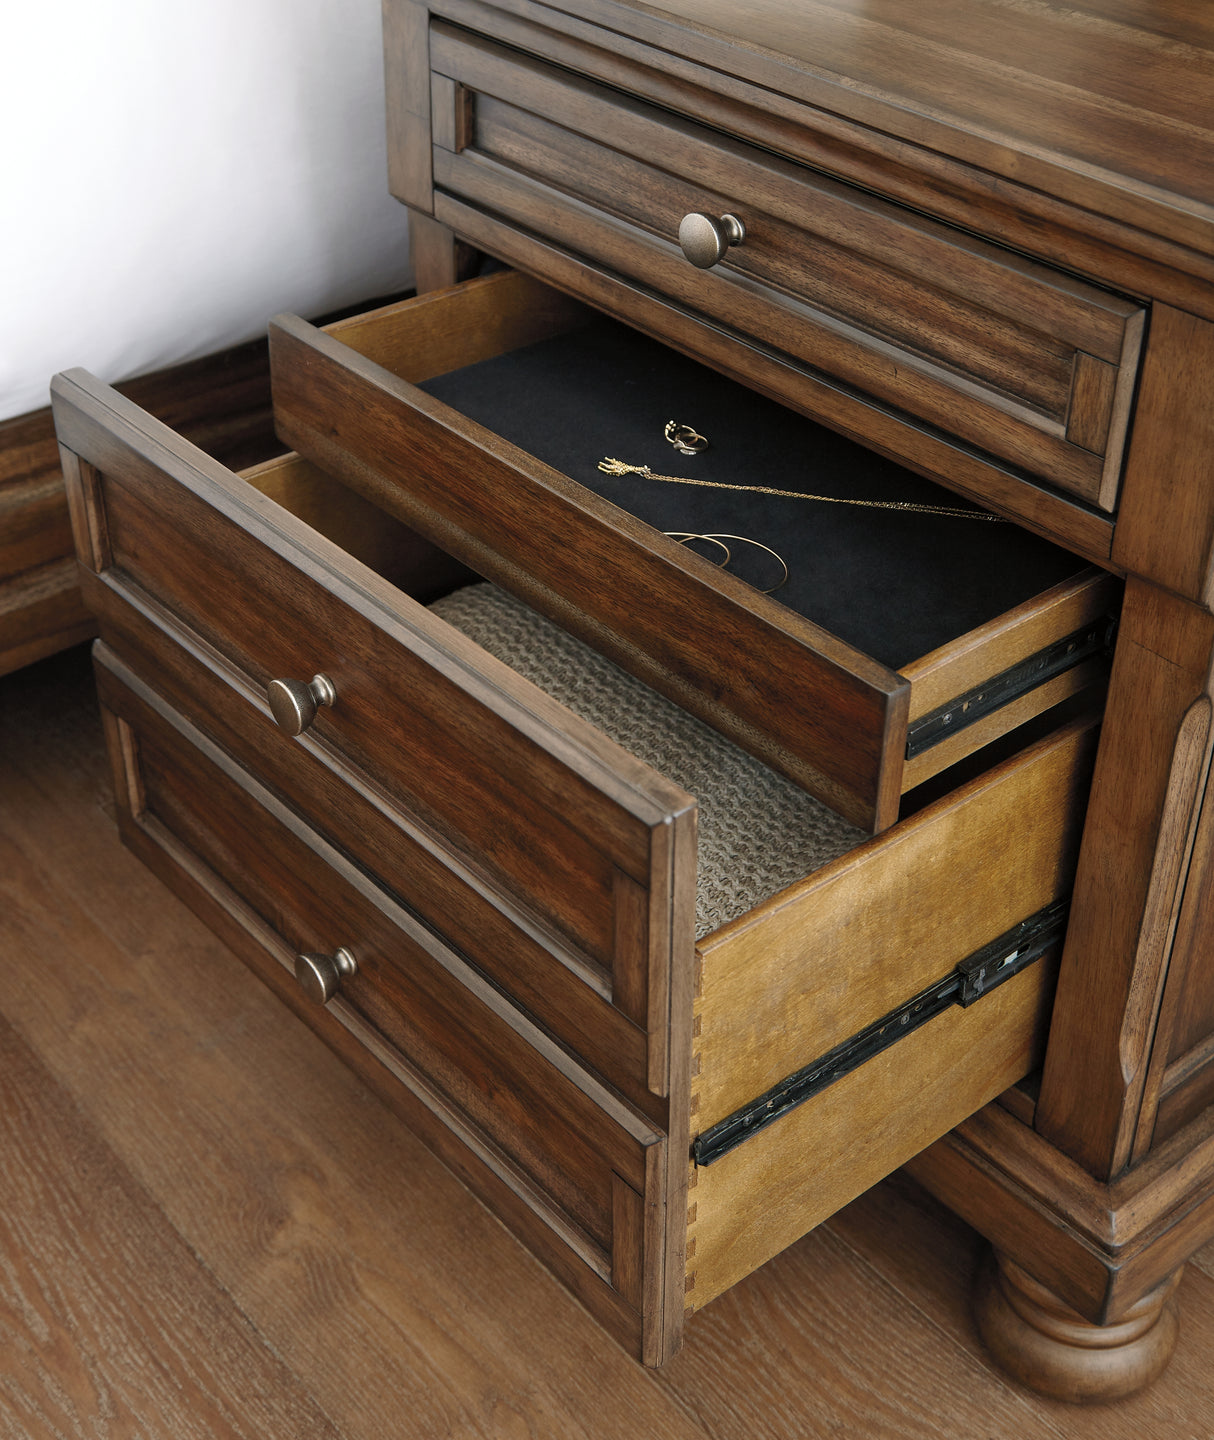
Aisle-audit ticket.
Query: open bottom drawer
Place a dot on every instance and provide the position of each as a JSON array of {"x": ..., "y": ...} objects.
[{"x": 205, "y": 584}]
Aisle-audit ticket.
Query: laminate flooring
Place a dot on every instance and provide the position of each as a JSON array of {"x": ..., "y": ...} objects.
[{"x": 208, "y": 1227}]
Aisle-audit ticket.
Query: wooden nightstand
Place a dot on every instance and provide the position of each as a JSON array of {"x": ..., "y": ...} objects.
[{"x": 894, "y": 258}]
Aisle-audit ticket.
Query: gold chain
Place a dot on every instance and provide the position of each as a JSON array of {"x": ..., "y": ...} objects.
[{"x": 618, "y": 467}]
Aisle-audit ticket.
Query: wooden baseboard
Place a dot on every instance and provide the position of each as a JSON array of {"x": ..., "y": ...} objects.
[{"x": 220, "y": 403}]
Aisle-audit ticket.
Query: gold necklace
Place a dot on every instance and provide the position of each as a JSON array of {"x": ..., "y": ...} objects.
[{"x": 618, "y": 467}]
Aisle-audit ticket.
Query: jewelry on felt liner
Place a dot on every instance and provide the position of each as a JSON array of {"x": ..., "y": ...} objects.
[
  {"x": 684, "y": 536},
  {"x": 620, "y": 467},
  {"x": 684, "y": 439}
]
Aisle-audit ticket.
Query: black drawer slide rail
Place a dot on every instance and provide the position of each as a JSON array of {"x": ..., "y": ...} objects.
[{"x": 974, "y": 977}]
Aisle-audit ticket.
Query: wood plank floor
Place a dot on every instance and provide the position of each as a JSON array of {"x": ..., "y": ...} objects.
[{"x": 209, "y": 1228}]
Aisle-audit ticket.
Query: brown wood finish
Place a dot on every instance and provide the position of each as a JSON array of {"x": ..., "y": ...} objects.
[
  {"x": 273, "y": 887},
  {"x": 151, "y": 1343},
  {"x": 559, "y": 1140},
  {"x": 768, "y": 114},
  {"x": 1047, "y": 1344},
  {"x": 1010, "y": 638},
  {"x": 925, "y": 319},
  {"x": 1066, "y": 114},
  {"x": 421, "y": 712},
  {"x": 1166, "y": 531},
  {"x": 500, "y": 523},
  {"x": 572, "y": 998},
  {"x": 756, "y": 1200},
  {"x": 507, "y": 515},
  {"x": 782, "y": 986},
  {"x": 518, "y": 1197},
  {"x": 1076, "y": 138},
  {"x": 1139, "y": 828},
  {"x": 919, "y": 449},
  {"x": 222, "y": 403},
  {"x": 407, "y": 66},
  {"x": 1098, "y": 1248}
]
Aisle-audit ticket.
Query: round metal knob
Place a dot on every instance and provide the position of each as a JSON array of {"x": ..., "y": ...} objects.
[
  {"x": 320, "y": 976},
  {"x": 294, "y": 704},
  {"x": 704, "y": 240}
]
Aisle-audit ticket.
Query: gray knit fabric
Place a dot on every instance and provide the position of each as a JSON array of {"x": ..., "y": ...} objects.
[{"x": 758, "y": 832}]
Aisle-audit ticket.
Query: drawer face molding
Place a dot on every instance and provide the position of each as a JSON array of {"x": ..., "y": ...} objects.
[
  {"x": 1023, "y": 362},
  {"x": 580, "y": 1164},
  {"x": 550, "y": 811}
]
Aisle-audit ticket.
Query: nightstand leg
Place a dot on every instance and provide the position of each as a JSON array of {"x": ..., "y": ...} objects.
[{"x": 1044, "y": 1344}]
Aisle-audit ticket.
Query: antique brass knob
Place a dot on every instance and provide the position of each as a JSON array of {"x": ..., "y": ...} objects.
[
  {"x": 704, "y": 240},
  {"x": 294, "y": 704},
  {"x": 320, "y": 976}
]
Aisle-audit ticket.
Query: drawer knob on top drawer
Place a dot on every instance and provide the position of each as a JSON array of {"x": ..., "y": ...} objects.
[
  {"x": 320, "y": 976},
  {"x": 704, "y": 239},
  {"x": 294, "y": 704}
]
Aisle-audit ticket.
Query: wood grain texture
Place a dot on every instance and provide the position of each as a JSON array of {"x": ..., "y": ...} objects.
[
  {"x": 1166, "y": 529},
  {"x": 573, "y": 997},
  {"x": 146, "y": 1342},
  {"x": 544, "y": 1128},
  {"x": 695, "y": 76},
  {"x": 585, "y": 805},
  {"x": 757, "y": 1199},
  {"x": 928, "y": 320},
  {"x": 438, "y": 257},
  {"x": 409, "y": 1313},
  {"x": 407, "y": 102},
  {"x": 1101, "y": 1248},
  {"x": 706, "y": 640},
  {"x": 1046, "y": 95},
  {"x": 935, "y": 1258},
  {"x": 815, "y": 965},
  {"x": 221, "y": 402},
  {"x": 1011, "y": 637},
  {"x": 917, "y": 447},
  {"x": 1137, "y": 840}
]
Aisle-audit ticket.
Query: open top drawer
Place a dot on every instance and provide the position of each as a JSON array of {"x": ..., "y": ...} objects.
[{"x": 902, "y": 640}]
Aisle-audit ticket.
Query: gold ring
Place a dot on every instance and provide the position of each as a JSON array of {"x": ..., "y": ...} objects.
[{"x": 685, "y": 439}]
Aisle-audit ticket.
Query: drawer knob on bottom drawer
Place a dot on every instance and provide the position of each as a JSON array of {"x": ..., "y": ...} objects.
[
  {"x": 704, "y": 239},
  {"x": 320, "y": 976},
  {"x": 294, "y": 704}
]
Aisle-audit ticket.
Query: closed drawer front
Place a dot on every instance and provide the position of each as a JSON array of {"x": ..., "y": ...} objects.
[
  {"x": 479, "y": 415},
  {"x": 1025, "y": 363},
  {"x": 581, "y": 1174}
]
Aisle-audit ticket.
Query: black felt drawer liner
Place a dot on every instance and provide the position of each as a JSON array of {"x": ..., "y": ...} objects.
[{"x": 894, "y": 584}]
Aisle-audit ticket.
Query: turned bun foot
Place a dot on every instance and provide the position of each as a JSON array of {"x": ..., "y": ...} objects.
[{"x": 1045, "y": 1345}]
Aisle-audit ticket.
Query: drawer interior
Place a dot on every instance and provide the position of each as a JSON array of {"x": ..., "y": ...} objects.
[
  {"x": 893, "y": 583},
  {"x": 892, "y": 622}
]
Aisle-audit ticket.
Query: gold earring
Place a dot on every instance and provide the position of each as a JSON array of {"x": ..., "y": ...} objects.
[
  {"x": 758, "y": 544},
  {"x": 684, "y": 537},
  {"x": 684, "y": 439}
]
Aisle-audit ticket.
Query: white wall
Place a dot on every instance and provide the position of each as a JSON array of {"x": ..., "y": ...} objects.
[{"x": 173, "y": 172}]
